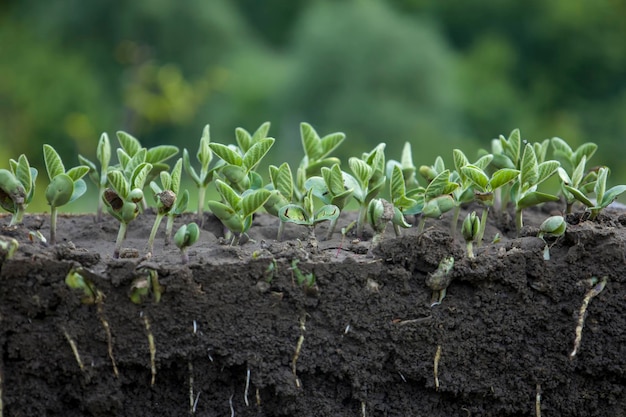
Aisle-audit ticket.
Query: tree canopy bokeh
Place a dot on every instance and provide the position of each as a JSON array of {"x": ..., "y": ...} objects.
[{"x": 438, "y": 74}]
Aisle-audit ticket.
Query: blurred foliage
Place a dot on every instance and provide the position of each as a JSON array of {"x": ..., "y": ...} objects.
[{"x": 439, "y": 74}]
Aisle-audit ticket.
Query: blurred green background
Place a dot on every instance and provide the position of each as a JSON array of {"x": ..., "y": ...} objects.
[{"x": 438, "y": 74}]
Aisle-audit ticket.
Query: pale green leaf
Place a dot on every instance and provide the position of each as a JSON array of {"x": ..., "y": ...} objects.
[
  {"x": 502, "y": 177},
  {"x": 333, "y": 177},
  {"x": 327, "y": 212},
  {"x": 513, "y": 146},
  {"x": 93, "y": 170},
  {"x": 528, "y": 168},
  {"x": 311, "y": 142},
  {"x": 182, "y": 200},
  {"x": 293, "y": 213},
  {"x": 78, "y": 172},
  {"x": 227, "y": 154},
  {"x": 176, "y": 175},
  {"x": 156, "y": 189},
  {"x": 119, "y": 183},
  {"x": 229, "y": 195},
  {"x": 541, "y": 150},
  {"x": 204, "y": 154},
  {"x": 244, "y": 139},
  {"x": 128, "y": 142},
  {"x": 122, "y": 157},
  {"x": 254, "y": 200},
  {"x": 261, "y": 132},
  {"x": 254, "y": 155},
  {"x": 398, "y": 188},
  {"x": 80, "y": 188},
  {"x": 560, "y": 146},
  {"x": 406, "y": 161},
  {"x": 579, "y": 172},
  {"x": 283, "y": 181},
  {"x": 534, "y": 198},
  {"x": 578, "y": 195},
  {"x": 484, "y": 161},
  {"x": 477, "y": 176},
  {"x": 314, "y": 168},
  {"x": 135, "y": 161},
  {"x": 53, "y": 162},
  {"x": 330, "y": 142},
  {"x": 439, "y": 165},
  {"x": 600, "y": 186},
  {"x": 227, "y": 216},
  {"x": 362, "y": 171},
  {"x": 585, "y": 150},
  {"x": 546, "y": 169},
  {"x": 103, "y": 151},
  {"x": 460, "y": 160},
  {"x": 611, "y": 194},
  {"x": 166, "y": 180},
  {"x": 140, "y": 174},
  {"x": 189, "y": 169},
  {"x": 160, "y": 153},
  {"x": 236, "y": 176},
  {"x": 24, "y": 174},
  {"x": 59, "y": 191},
  {"x": 565, "y": 178},
  {"x": 439, "y": 185}
]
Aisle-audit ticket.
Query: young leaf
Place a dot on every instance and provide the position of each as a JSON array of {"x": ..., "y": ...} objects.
[
  {"x": 53, "y": 162},
  {"x": 23, "y": 173},
  {"x": 611, "y": 194},
  {"x": 579, "y": 196},
  {"x": 254, "y": 200},
  {"x": 226, "y": 153},
  {"x": 119, "y": 183},
  {"x": 331, "y": 142},
  {"x": 502, "y": 177},
  {"x": 476, "y": 176},
  {"x": 136, "y": 160},
  {"x": 585, "y": 150},
  {"x": 513, "y": 146},
  {"x": 122, "y": 157},
  {"x": 600, "y": 186},
  {"x": 60, "y": 190},
  {"x": 204, "y": 154},
  {"x": 311, "y": 142},
  {"x": 283, "y": 180},
  {"x": 546, "y": 169},
  {"x": 227, "y": 215},
  {"x": 333, "y": 179},
  {"x": 361, "y": 170},
  {"x": 327, "y": 212},
  {"x": 254, "y": 155},
  {"x": 128, "y": 142},
  {"x": 80, "y": 188},
  {"x": 440, "y": 185},
  {"x": 78, "y": 172},
  {"x": 166, "y": 180},
  {"x": 561, "y": 148},
  {"x": 176, "y": 176},
  {"x": 103, "y": 151},
  {"x": 534, "y": 198},
  {"x": 261, "y": 132},
  {"x": 398, "y": 188},
  {"x": 406, "y": 161},
  {"x": 160, "y": 153},
  {"x": 228, "y": 194},
  {"x": 293, "y": 213},
  {"x": 529, "y": 174},
  {"x": 460, "y": 160},
  {"x": 138, "y": 179},
  {"x": 190, "y": 169}
]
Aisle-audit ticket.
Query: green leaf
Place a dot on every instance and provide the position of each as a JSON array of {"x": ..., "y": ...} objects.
[
  {"x": 93, "y": 170},
  {"x": 182, "y": 200},
  {"x": 437, "y": 206},
  {"x": 119, "y": 183},
  {"x": 579, "y": 172},
  {"x": 439, "y": 185},
  {"x": 484, "y": 161},
  {"x": 534, "y": 198},
  {"x": 398, "y": 188},
  {"x": 293, "y": 213},
  {"x": 600, "y": 186},
  {"x": 244, "y": 139},
  {"x": 561, "y": 147},
  {"x": 254, "y": 155},
  {"x": 227, "y": 216},
  {"x": 229, "y": 195},
  {"x": 611, "y": 194},
  {"x": 176, "y": 175},
  {"x": 156, "y": 189},
  {"x": 333, "y": 178},
  {"x": 439, "y": 165},
  {"x": 314, "y": 168},
  {"x": 406, "y": 161},
  {"x": 78, "y": 172},
  {"x": 261, "y": 132},
  {"x": 513, "y": 146},
  {"x": 122, "y": 157},
  {"x": 330, "y": 142},
  {"x": 24, "y": 174},
  {"x": 103, "y": 151},
  {"x": 311, "y": 142},
  {"x": 80, "y": 188},
  {"x": 541, "y": 150},
  {"x": 564, "y": 177},
  {"x": 236, "y": 175},
  {"x": 578, "y": 195},
  {"x": 59, "y": 191},
  {"x": 502, "y": 177},
  {"x": 254, "y": 200},
  {"x": 166, "y": 180},
  {"x": 460, "y": 160},
  {"x": 226, "y": 154},
  {"x": 160, "y": 153},
  {"x": 546, "y": 169},
  {"x": 283, "y": 180},
  {"x": 140, "y": 174},
  {"x": 135, "y": 161},
  {"x": 53, "y": 162},
  {"x": 327, "y": 212},
  {"x": 129, "y": 144},
  {"x": 362, "y": 171},
  {"x": 190, "y": 169},
  {"x": 477, "y": 176},
  {"x": 204, "y": 154},
  {"x": 529, "y": 173},
  {"x": 585, "y": 150}
]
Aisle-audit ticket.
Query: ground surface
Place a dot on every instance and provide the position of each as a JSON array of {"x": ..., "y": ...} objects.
[{"x": 227, "y": 328}]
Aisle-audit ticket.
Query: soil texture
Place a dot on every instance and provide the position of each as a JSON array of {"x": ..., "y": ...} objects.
[{"x": 235, "y": 334}]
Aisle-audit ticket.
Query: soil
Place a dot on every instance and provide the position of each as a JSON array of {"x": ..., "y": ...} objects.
[{"x": 232, "y": 336}]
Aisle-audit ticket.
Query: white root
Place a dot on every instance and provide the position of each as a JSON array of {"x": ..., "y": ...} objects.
[
  {"x": 538, "y": 401},
  {"x": 595, "y": 290},
  {"x": 296, "y": 354},
  {"x": 107, "y": 330},
  {"x": 74, "y": 350},
  {"x": 192, "y": 408},
  {"x": 152, "y": 347},
  {"x": 436, "y": 367},
  {"x": 245, "y": 393}
]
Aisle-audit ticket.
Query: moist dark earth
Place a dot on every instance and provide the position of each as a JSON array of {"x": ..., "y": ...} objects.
[{"x": 234, "y": 334}]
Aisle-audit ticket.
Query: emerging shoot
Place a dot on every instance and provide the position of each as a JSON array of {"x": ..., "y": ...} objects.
[
  {"x": 552, "y": 226},
  {"x": 471, "y": 230},
  {"x": 186, "y": 236}
]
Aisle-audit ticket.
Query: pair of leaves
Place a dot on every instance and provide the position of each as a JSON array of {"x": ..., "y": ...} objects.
[
  {"x": 26, "y": 175},
  {"x": 332, "y": 187},
  {"x": 483, "y": 183},
  {"x": 569, "y": 158},
  {"x": 65, "y": 186},
  {"x": 236, "y": 210},
  {"x": 315, "y": 147},
  {"x": 604, "y": 197},
  {"x": 123, "y": 185},
  {"x": 534, "y": 173}
]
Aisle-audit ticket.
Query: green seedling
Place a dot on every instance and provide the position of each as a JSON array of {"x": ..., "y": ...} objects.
[
  {"x": 205, "y": 176},
  {"x": 123, "y": 197},
  {"x": 552, "y": 226},
  {"x": 103, "y": 155},
  {"x": 330, "y": 189},
  {"x": 316, "y": 155},
  {"x": 471, "y": 231},
  {"x": 167, "y": 201},
  {"x": 132, "y": 154},
  {"x": 436, "y": 199},
  {"x": 484, "y": 188},
  {"x": 603, "y": 197},
  {"x": 8, "y": 248},
  {"x": 281, "y": 185},
  {"x": 569, "y": 158},
  {"x": 17, "y": 188},
  {"x": 145, "y": 285},
  {"x": 65, "y": 186},
  {"x": 186, "y": 236},
  {"x": 380, "y": 213},
  {"x": 532, "y": 173},
  {"x": 235, "y": 212},
  {"x": 368, "y": 180},
  {"x": 307, "y": 281},
  {"x": 239, "y": 162},
  {"x": 464, "y": 193},
  {"x": 306, "y": 215},
  {"x": 439, "y": 280},
  {"x": 401, "y": 196}
]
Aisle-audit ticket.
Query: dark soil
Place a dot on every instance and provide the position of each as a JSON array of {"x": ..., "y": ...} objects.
[{"x": 227, "y": 328}]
